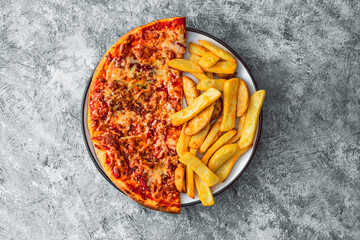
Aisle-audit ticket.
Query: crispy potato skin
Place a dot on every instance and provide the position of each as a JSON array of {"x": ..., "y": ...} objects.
[
  {"x": 217, "y": 109},
  {"x": 224, "y": 67},
  {"x": 230, "y": 94},
  {"x": 180, "y": 178},
  {"x": 243, "y": 97},
  {"x": 185, "y": 65},
  {"x": 225, "y": 76},
  {"x": 197, "y": 139},
  {"x": 200, "y": 121}
]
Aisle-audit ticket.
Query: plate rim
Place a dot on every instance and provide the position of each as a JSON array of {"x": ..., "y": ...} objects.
[{"x": 255, "y": 144}]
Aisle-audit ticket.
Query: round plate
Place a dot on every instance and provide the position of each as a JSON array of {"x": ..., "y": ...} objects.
[{"x": 193, "y": 35}]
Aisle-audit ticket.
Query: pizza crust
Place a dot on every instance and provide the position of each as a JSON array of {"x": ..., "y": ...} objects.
[{"x": 102, "y": 153}]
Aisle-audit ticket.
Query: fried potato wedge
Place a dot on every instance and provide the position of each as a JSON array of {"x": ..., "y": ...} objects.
[
  {"x": 196, "y": 49},
  {"x": 217, "y": 51},
  {"x": 204, "y": 192},
  {"x": 182, "y": 144},
  {"x": 197, "y": 139},
  {"x": 200, "y": 121},
  {"x": 208, "y": 60},
  {"x": 205, "y": 84},
  {"x": 225, "y": 67},
  {"x": 252, "y": 119},
  {"x": 194, "y": 58},
  {"x": 220, "y": 142},
  {"x": 200, "y": 76},
  {"x": 230, "y": 94},
  {"x": 212, "y": 136},
  {"x": 200, "y": 168},
  {"x": 225, "y": 76},
  {"x": 190, "y": 91},
  {"x": 209, "y": 74},
  {"x": 221, "y": 155},
  {"x": 217, "y": 109},
  {"x": 200, "y": 103},
  {"x": 224, "y": 170},
  {"x": 180, "y": 178},
  {"x": 240, "y": 128},
  {"x": 190, "y": 182},
  {"x": 185, "y": 65},
  {"x": 243, "y": 97}
]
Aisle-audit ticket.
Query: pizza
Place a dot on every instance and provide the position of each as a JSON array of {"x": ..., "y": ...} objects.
[{"x": 131, "y": 98}]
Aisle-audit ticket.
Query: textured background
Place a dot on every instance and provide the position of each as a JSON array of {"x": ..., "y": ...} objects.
[{"x": 304, "y": 179}]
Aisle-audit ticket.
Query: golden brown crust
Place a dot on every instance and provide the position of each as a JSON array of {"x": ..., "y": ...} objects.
[{"x": 102, "y": 153}]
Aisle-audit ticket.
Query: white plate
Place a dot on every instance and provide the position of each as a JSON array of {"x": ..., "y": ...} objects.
[{"x": 193, "y": 35}]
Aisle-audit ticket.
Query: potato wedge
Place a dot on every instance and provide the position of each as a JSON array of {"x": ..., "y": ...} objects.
[
  {"x": 190, "y": 91},
  {"x": 205, "y": 84},
  {"x": 180, "y": 178},
  {"x": 196, "y": 49},
  {"x": 200, "y": 76},
  {"x": 220, "y": 142},
  {"x": 190, "y": 182},
  {"x": 225, "y": 67},
  {"x": 217, "y": 51},
  {"x": 240, "y": 128},
  {"x": 194, "y": 58},
  {"x": 185, "y": 65},
  {"x": 204, "y": 192},
  {"x": 200, "y": 103},
  {"x": 182, "y": 144},
  {"x": 209, "y": 74},
  {"x": 217, "y": 109},
  {"x": 200, "y": 121},
  {"x": 212, "y": 136},
  {"x": 224, "y": 170},
  {"x": 221, "y": 155},
  {"x": 225, "y": 76},
  {"x": 200, "y": 168},
  {"x": 230, "y": 93},
  {"x": 197, "y": 139},
  {"x": 208, "y": 60},
  {"x": 193, "y": 151},
  {"x": 252, "y": 119},
  {"x": 243, "y": 97}
]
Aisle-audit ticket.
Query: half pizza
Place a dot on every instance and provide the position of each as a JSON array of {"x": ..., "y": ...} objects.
[{"x": 132, "y": 96}]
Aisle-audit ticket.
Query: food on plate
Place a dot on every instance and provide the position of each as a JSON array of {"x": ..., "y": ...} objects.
[
  {"x": 190, "y": 91},
  {"x": 212, "y": 136},
  {"x": 230, "y": 93},
  {"x": 194, "y": 58},
  {"x": 209, "y": 74},
  {"x": 197, "y": 139},
  {"x": 180, "y": 178},
  {"x": 200, "y": 103},
  {"x": 221, "y": 155},
  {"x": 200, "y": 121},
  {"x": 204, "y": 192},
  {"x": 211, "y": 83},
  {"x": 242, "y": 98},
  {"x": 225, "y": 76},
  {"x": 196, "y": 49},
  {"x": 190, "y": 178},
  {"x": 185, "y": 65},
  {"x": 221, "y": 141},
  {"x": 224, "y": 170},
  {"x": 240, "y": 128},
  {"x": 217, "y": 51},
  {"x": 224, "y": 67},
  {"x": 217, "y": 109},
  {"x": 131, "y": 98},
  {"x": 208, "y": 60},
  {"x": 252, "y": 118},
  {"x": 200, "y": 168},
  {"x": 182, "y": 144}
]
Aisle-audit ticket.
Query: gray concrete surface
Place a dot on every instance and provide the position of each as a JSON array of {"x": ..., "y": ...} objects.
[{"x": 303, "y": 182}]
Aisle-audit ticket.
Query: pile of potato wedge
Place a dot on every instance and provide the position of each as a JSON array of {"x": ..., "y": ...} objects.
[{"x": 224, "y": 98}]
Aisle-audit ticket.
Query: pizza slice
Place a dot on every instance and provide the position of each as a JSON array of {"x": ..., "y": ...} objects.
[{"x": 132, "y": 96}]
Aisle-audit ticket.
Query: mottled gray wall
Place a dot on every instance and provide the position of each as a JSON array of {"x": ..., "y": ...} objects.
[{"x": 303, "y": 182}]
